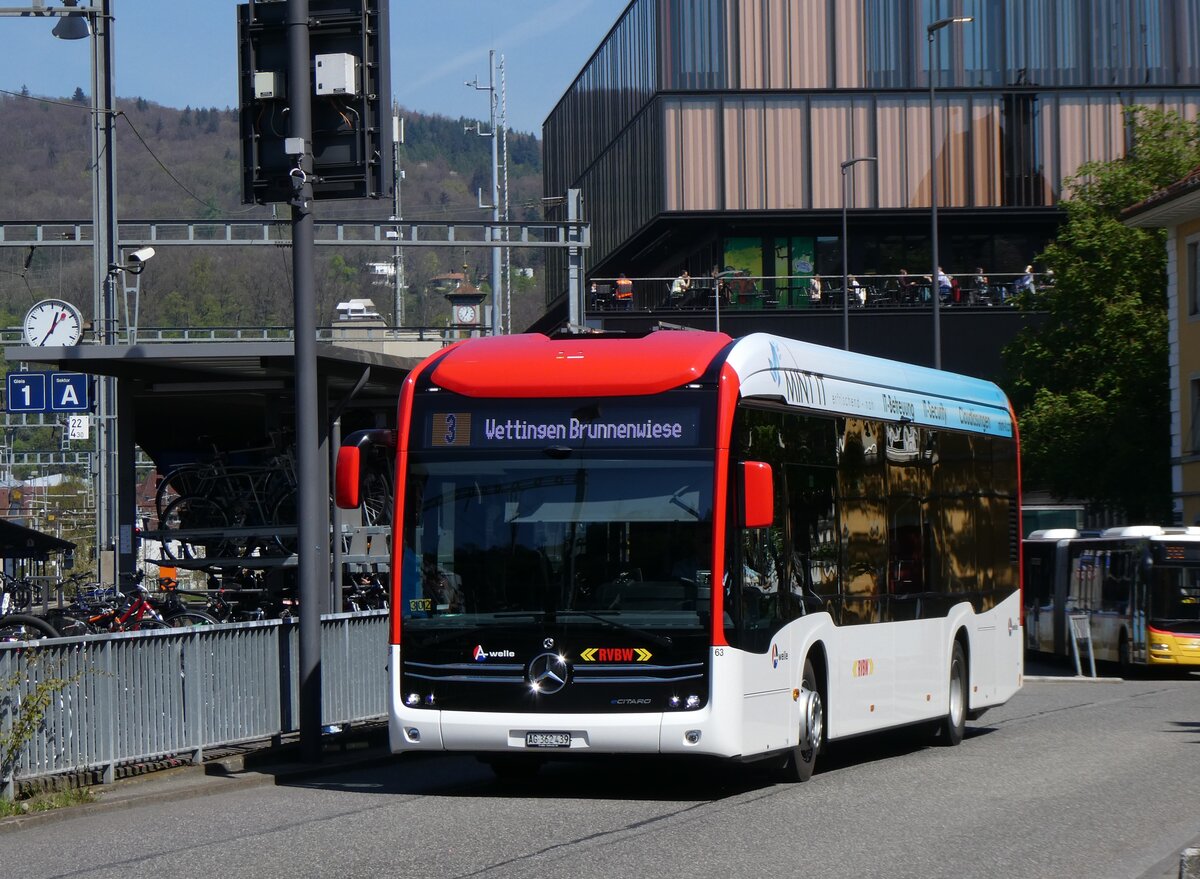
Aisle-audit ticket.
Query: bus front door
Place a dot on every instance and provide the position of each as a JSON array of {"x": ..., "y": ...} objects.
[{"x": 1137, "y": 616}]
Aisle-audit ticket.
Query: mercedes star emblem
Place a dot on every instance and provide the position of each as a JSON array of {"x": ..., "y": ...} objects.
[{"x": 548, "y": 673}]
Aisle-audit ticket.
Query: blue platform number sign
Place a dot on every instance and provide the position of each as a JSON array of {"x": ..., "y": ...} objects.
[
  {"x": 69, "y": 392},
  {"x": 48, "y": 392},
  {"x": 27, "y": 392}
]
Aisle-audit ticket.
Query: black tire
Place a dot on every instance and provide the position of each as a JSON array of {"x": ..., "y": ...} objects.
[
  {"x": 23, "y": 627},
  {"x": 180, "y": 482},
  {"x": 284, "y": 514},
  {"x": 189, "y": 513},
  {"x": 184, "y": 618},
  {"x": 800, "y": 762},
  {"x": 376, "y": 499},
  {"x": 954, "y": 725}
]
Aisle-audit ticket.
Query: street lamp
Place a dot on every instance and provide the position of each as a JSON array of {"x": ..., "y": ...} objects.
[
  {"x": 846, "y": 166},
  {"x": 930, "y": 31},
  {"x": 76, "y": 22}
]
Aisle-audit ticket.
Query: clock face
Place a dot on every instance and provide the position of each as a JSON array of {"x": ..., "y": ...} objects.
[
  {"x": 464, "y": 314},
  {"x": 53, "y": 322}
]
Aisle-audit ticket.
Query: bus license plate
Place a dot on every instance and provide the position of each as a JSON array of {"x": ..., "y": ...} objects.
[{"x": 547, "y": 740}]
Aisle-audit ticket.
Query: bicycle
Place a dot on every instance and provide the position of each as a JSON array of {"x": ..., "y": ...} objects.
[
  {"x": 175, "y": 611},
  {"x": 367, "y": 593},
  {"x": 25, "y": 627},
  {"x": 20, "y": 594},
  {"x": 16, "y": 595},
  {"x": 128, "y": 612},
  {"x": 203, "y": 501}
]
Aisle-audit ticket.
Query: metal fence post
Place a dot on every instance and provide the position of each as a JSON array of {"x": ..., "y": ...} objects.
[
  {"x": 192, "y": 675},
  {"x": 109, "y": 721}
]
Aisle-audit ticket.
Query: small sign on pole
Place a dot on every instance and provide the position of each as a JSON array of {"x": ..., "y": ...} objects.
[
  {"x": 27, "y": 392},
  {"x": 77, "y": 427},
  {"x": 69, "y": 392}
]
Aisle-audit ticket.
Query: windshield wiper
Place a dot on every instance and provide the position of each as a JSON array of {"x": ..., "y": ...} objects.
[{"x": 664, "y": 640}]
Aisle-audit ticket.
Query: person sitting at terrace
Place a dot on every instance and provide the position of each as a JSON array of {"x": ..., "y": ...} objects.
[
  {"x": 680, "y": 286},
  {"x": 624, "y": 293},
  {"x": 858, "y": 292},
  {"x": 979, "y": 287},
  {"x": 945, "y": 287}
]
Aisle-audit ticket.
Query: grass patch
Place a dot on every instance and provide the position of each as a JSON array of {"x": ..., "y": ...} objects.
[{"x": 48, "y": 801}]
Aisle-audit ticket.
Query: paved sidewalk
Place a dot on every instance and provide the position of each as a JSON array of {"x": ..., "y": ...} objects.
[{"x": 255, "y": 765}]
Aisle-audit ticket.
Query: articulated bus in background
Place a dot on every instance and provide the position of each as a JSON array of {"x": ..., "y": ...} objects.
[
  {"x": 687, "y": 544},
  {"x": 1137, "y": 586}
]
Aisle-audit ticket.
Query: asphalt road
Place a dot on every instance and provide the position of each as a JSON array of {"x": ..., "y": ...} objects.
[{"x": 1070, "y": 779}]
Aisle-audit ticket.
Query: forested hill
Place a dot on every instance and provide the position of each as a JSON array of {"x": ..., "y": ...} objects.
[{"x": 185, "y": 163}]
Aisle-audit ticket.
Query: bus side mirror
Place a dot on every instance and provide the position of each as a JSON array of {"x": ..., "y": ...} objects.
[
  {"x": 346, "y": 479},
  {"x": 758, "y": 495}
]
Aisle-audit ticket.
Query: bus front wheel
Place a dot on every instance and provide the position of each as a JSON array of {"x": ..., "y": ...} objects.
[
  {"x": 800, "y": 763},
  {"x": 954, "y": 725}
]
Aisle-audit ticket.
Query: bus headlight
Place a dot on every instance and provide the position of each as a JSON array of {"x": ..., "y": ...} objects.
[
  {"x": 412, "y": 700},
  {"x": 1160, "y": 647},
  {"x": 674, "y": 702},
  {"x": 692, "y": 702}
]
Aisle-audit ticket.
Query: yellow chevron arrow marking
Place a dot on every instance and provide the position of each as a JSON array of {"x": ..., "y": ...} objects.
[
  {"x": 642, "y": 655},
  {"x": 589, "y": 655}
]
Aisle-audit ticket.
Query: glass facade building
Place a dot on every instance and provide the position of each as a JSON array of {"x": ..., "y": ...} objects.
[{"x": 705, "y": 130}]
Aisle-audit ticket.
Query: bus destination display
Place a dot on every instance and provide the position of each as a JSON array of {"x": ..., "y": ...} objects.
[{"x": 640, "y": 427}]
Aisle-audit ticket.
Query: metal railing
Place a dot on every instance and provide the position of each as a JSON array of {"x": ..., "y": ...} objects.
[
  {"x": 344, "y": 331},
  {"x": 142, "y": 696},
  {"x": 734, "y": 290}
]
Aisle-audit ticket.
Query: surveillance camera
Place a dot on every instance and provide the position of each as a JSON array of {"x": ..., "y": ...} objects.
[{"x": 142, "y": 254}]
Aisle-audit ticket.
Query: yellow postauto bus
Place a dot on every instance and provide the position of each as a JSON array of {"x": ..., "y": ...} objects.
[{"x": 1136, "y": 587}]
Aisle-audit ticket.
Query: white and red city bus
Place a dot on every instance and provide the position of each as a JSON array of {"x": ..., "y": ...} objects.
[{"x": 689, "y": 544}]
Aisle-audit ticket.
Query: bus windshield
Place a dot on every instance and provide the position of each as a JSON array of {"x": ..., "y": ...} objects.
[
  {"x": 533, "y": 538},
  {"x": 1175, "y": 597}
]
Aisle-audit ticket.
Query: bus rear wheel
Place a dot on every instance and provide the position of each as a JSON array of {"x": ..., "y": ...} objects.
[
  {"x": 954, "y": 725},
  {"x": 803, "y": 757}
]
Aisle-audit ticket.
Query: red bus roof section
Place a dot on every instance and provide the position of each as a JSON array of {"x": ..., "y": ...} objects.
[{"x": 534, "y": 365}]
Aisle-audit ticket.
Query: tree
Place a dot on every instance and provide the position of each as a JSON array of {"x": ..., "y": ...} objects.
[{"x": 1090, "y": 386}]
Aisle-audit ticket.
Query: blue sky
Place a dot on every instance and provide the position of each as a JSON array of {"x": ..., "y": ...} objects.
[{"x": 188, "y": 55}]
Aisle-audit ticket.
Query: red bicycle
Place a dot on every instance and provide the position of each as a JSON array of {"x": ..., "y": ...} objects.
[{"x": 132, "y": 612}]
